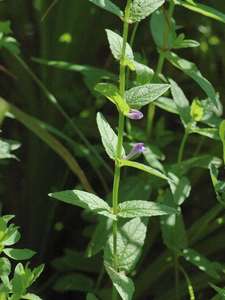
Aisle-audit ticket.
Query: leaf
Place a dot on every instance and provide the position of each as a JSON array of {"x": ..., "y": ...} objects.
[
  {"x": 109, "y": 6},
  {"x": 116, "y": 44},
  {"x": 85, "y": 200},
  {"x": 220, "y": 291},
  {"x": 172, "y": 226},
  {"x": 141, "y": 9},
  {"x": 109, "y": 138},
  {"x": 111, "y": 92},
  {"x": 145, "y": 94},
  {"x": 192, "y": 71},
  {"x": 144, "y": 73},
  {"x": 30, "y": 296},
  {"x": 211, "y": 133},
  {"x": 73, "y": 282},
  {"x": 6, "y": 147},
  {"x": 205, "y": 265},
  {"x": 167, "y": 104},
  {"x": 159, "y": 27},
  {"x": 222, "y": 136},
  {"x": 5, "y": 27},
  {"x": 152, "y": 155},
  {"x": 91, "y": 297},
  {"x": 12, "y": 236},
  {"x": 203, "y": 9},
  {"x": 99, "y": 237},
  {"x": 123, "y": 284},
  {"x": 5, "y": 266},
  {"x": 143, "y": 167},
  {"x": 140, "y": 208},
  {"x": 181, "y": 102},
  {"x": 130, "y": 240},
  {"x": 19, "y": 254},
  {"x": 180, "y": 187},
  {"x": 181, "y": 42}
]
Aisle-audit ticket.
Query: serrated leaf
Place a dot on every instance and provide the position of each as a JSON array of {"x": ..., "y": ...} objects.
[
  {"x": 181, "y": 102},
  {"x": 145, "y": 94},
  {"x": 159, "y": 26},
  {"x": 123, "y": 284},
  {"x": 116, "y": 44},
  {"x": 111, "y": 92},
  {"x": 130, "y": 239},
  {"x": 108, "y": 6},
  {"x": 73, "y": 282},
  {"x": 85, "y": 200},
  {"x": 19, "y": 254},
  {"x": 203, "y": 263},
  {"x": 140, "y": 208},
  {"x": 191, "y": 70},
  {"x": 109, "y": 138},
  {"x": 203, "y": 9},
  {"x": 141, "y": 9},
  {"x": 144, "y": 168}
]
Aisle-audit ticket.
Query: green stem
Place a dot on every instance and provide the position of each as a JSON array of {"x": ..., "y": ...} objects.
[
  {"x": 190, "y": 287},
  {"x": 176, "y": 273},
  {"x": 117, "y": 172},
  {"x": 182, "y": 146}
]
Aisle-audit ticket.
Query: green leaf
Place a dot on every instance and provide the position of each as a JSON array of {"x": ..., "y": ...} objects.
[
  {"x": 130, "y": 240},
  {"x": 181, "y": 102},
  {"x": 12, "y": 236},
  {"x": 91, "y": 297},
  {"x": 85, "y": 200},
  {"x": 140, "y": 208},
  {"x": 203, "y": 9},
  {"x": 180, "y": 187},
  {"x": 159, "y": 26},
  {"x": 144, "y": 73},
  {"x": 73, "y": 282},
  {"x": 191, "y": 70},
  {"x": 167, "y": 104},
  {"x": 181, "y": 42},
  {"x": 109, "y": 6},
  {"x": 145, "y": 94},
  {"x": 5, "y": 27},
  {"x": 205, "y": 265},
  {"x": 211, "y": 133},
  {"x": 19, "y": 254},
  {"x": 19, "y": 281},
  {"x": 111, "y": 92},
  {"x": 109, "y": 138},
  {"x": 172, "y": 226},
  {"x": 123, "y": 284},
  {"x": 152, "y": 155},
  {"x": 30, "y": 296},
  {"x": 6, "y": 147},
  {"x": 143, "y": 167},
  {"x": 222, "y": 137},
  {"x": 141, "y": 9},
  {"x": 5, "y": 267},
  {"x": 220, "y": 291},
  {"x": 116, "y": 44}
]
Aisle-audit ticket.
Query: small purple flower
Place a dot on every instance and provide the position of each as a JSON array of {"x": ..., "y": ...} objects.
[
  {"x": 135, "y": 114},
  {"x": 137, "y": 149}
]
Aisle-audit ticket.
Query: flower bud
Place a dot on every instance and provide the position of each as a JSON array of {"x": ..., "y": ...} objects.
[
  {"x": 135, "y": 114},
  {"x": 137, "y": 149}
]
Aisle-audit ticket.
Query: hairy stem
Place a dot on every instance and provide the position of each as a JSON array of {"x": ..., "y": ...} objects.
[{"x": 117, "y": 171}]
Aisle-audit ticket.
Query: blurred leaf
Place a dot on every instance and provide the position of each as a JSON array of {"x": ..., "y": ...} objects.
[
  {"x": 30, "y": 296},
  {"x": 91, "y": 297},
  {"x": 205, "y": 265},
  {"x": 19, "y": 254},
  {"x": 73, "y": 282},
  {"x": 145, "y": 94},
  {"x": 109, "y": 138},
  {"x": 130, "y": 240},
  {"x": 122, "y": 283},
  {"x": 109, "y": 6},
  {"x": 5, "y": 266},
  {"x": 141, "y": 9},
  {"x": 180, "y": 187},
  {"x": 220, "y": 291}
]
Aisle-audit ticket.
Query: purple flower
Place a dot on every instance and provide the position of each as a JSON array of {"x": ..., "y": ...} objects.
[
  {"x": 137, "y": 149},
  {"x": 135, "y": 114}
]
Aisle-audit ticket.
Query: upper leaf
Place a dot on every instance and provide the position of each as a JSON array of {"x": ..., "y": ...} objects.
[
  {"x": 141, "y": 9},
  {"x": 109, "y": 6},
  {"x": 109, "y": 138},
  {"x": 145, "y": 94},
  {"x": 116, "y": 45},
  {"x": 140, "y": 208},
  {"x": 85, "y": 200},
  {"x": 130, "y": 239},
  {"x": 123, "y": 284}
]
